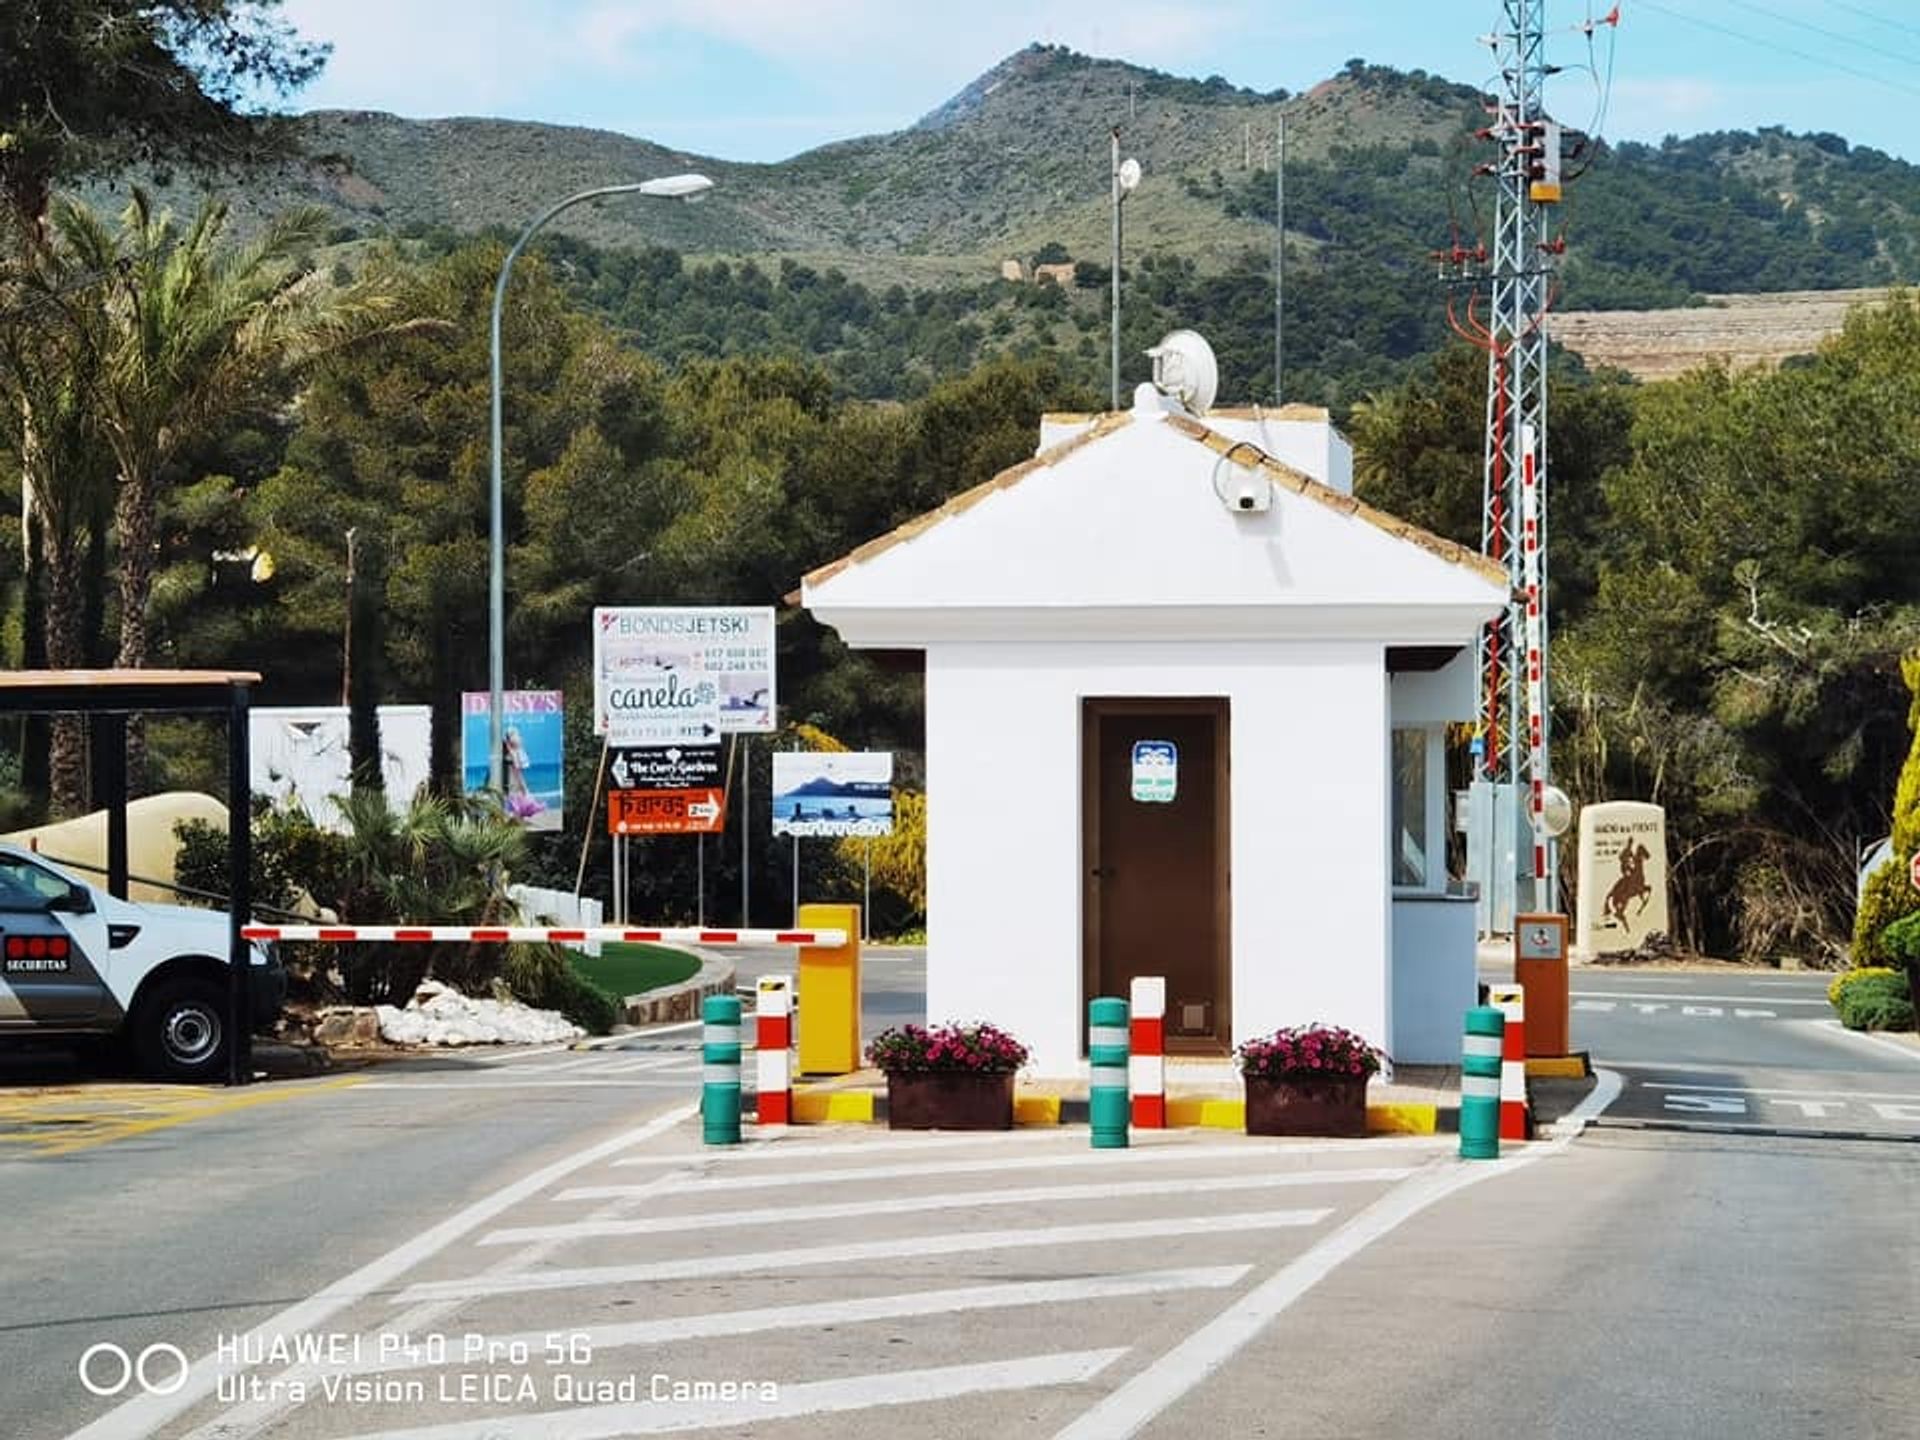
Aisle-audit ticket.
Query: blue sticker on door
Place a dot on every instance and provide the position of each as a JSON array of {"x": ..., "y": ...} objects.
[{"x": 1156, "y": 771}]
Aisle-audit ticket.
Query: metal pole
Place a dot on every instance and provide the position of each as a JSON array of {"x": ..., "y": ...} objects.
[
  {"x": 866, "y": 896},
  {"x": 700, "y": 882},
  {"x": 1115, "y": 182},
  {"x": 679, "y": 186},
  {"x": 746, "y": 831},
  {"x": 1279, "y": 247},
  {"x": 239, "y": 882},
  {"x": 796, "y": 880}
]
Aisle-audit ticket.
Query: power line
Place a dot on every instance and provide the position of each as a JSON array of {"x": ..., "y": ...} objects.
[
  {"x": 1865, "y": 14},
  {"x": 1835, "y": 35},
  {"x": 1811, "y": 59}
]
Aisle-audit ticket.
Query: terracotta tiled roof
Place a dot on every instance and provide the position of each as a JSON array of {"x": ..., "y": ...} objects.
[{"x": 1244, "y": 452}]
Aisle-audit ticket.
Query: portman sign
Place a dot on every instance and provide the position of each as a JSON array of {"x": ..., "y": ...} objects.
[{"x": 680, "y": 676}]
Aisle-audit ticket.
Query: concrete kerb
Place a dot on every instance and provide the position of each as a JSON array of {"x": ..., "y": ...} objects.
[
  {"x": 1423, "y": 1100},
  {"x": 672, "y": 1003}
]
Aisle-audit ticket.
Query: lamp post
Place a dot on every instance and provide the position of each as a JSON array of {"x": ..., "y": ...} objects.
[
  {"x": 1126, "y": 175},
  {"x": 672, "y": 187}
]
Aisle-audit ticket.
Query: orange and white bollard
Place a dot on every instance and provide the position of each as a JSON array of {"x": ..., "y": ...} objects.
[
  {"x": 1516, "y": 1116},
  {"x": 773, "y": 1050},
  {"x": 1147, "y": 1052}
]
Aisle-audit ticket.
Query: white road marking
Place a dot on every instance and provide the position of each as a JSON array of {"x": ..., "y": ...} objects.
[
  {"x": 734, "y": 1183},
  {"x": 920, "y": 1204},
  {"x": 812, "y": 1314},
  {"x": 817, "y": 1397},
  {"x": 652, "y": 1062},
  {"x": 800, "y": 1257},
  {"x": 1804, "y": 1094},
  {"x": 797, "y": 1146},
  {"x": 526, "y": 1054},
  {"x": 257, "y": 1413},
  {"x": 143, "y": 1415},
  {"x": 1132, "y": 1406},
  {"x": 1693, "y": 999},
  {"x": 581, "y": 1063}
]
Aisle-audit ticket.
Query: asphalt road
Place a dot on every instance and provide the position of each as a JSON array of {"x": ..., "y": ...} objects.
[
  {"x": 1721, "y": 1050},
  {"x": 534, "y": 1244}
]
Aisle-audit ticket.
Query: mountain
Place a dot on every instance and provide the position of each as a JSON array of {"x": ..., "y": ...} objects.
[{"x": 1016, "y": 168}]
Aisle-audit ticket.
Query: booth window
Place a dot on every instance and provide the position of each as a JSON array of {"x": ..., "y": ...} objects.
[{"x": 1418, "y": 863}]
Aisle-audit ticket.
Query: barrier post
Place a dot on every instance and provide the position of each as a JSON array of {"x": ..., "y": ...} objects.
[
  {"x": 1147, "y": 1053},
  {"x": 720, "y": 1070},
  {"x": 773, "y": 1050},
  {"x": 1480, "y": 1083},
  {"x": 1107, "y": 1063},
  {"x": 829, "y": 986},
  {"x": 1516, "y": 1119}
]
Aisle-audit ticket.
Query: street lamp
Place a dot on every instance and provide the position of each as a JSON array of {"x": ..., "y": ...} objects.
[
  {"x": 672, "y": 187},
  {"x": 1126, "y": 175}
]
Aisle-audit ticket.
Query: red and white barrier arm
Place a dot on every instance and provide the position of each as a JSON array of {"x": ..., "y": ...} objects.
[{"x": 538, "y": 935}]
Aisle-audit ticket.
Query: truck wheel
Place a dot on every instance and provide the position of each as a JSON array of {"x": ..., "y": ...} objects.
[{"x": 180, "y": 1030}]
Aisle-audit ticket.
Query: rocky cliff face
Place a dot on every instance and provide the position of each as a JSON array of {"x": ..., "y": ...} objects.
[{"x": 1739, "y": 330}]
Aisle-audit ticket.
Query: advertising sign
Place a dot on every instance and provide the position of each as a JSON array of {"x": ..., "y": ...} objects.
[
  {"x": 531, "y": 752},
  {"x": 670, "y": 676},
  {"x": 832, "y": 793},
  {"x": 664, "y": 767},
  {"x": 666, "y": 812},
  {"x": 1156, "y": 771},
  {"x": 298, "y": 757}
]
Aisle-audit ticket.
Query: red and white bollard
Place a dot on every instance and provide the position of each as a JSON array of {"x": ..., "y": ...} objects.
[
  {"x": 1516, "y": 1118},
  {"x": 1147, "y": 1052},
  {"x": 773, "y": 1050}
]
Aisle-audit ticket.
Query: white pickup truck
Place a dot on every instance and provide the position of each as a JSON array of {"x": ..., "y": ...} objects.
[{"x": 76, "y": 961}]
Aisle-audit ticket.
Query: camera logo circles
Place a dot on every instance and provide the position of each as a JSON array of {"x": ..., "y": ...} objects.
[{"x": 107, "y": 1370}]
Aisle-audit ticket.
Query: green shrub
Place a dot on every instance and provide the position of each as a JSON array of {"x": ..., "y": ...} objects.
[
  {"x": 1847, "y": 979},
  {"x": 1888, "y": 898},
  {"x": 1901, "y": 940},
  {"x": 1877, "y": 1002},
  {"x": 543, "y": 976}
]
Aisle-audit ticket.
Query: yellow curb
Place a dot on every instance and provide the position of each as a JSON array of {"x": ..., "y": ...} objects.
[
  {"x": 1559, "y": 1067},
  {"x": 1036, "y": 1109},
  {"x": 1403, "y": 1118},
  {"x": 832, "y": 1107},
  {"x": 1209, "y": 1114}
]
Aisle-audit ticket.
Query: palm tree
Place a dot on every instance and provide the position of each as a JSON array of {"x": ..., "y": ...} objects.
[
  {"x": 194, "y": 331},
  {"x": 48, "y": 345}
]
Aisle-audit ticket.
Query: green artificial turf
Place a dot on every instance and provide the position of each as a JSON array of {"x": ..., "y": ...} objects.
[{"x": 622, "y": 969}]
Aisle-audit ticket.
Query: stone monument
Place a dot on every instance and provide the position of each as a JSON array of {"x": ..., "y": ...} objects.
[{"x": 1623, "y": 877}]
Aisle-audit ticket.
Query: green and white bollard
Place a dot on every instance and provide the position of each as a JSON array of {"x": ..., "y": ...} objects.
[
  {"x": 720, "y": 1070},
  {"x": 1107, "y": 1103},
  {"x": 1480, "y": 1083}
]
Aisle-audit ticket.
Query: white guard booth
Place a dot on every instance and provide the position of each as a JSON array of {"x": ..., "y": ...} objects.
[{"x": 1185, "y": 704}]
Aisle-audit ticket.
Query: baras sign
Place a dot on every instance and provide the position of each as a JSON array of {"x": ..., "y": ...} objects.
[{"x": 678, "y": 676}]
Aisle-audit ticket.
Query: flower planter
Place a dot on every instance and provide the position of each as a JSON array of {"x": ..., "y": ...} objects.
[
  {"x": 1307, "y": 1105},
  {"x": 949, "y": 1100}
]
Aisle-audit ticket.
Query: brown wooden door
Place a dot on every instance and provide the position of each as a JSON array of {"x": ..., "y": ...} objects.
[{"x": 1156, "y": 886}]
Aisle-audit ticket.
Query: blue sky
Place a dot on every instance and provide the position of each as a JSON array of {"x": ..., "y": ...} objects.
[{"x": 765, "y": 79}]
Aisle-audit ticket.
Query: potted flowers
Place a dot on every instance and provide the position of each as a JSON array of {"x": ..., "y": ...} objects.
[
  {"x": 1307, "y": 1080},
  {"x": 948, "y": 1077}
]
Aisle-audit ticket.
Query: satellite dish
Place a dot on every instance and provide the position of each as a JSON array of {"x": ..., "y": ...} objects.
[
  {"x": 1128, "y": 174},
  {"x": 1184, "y": 367},
  {"x": 1556, "y": 810}
]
